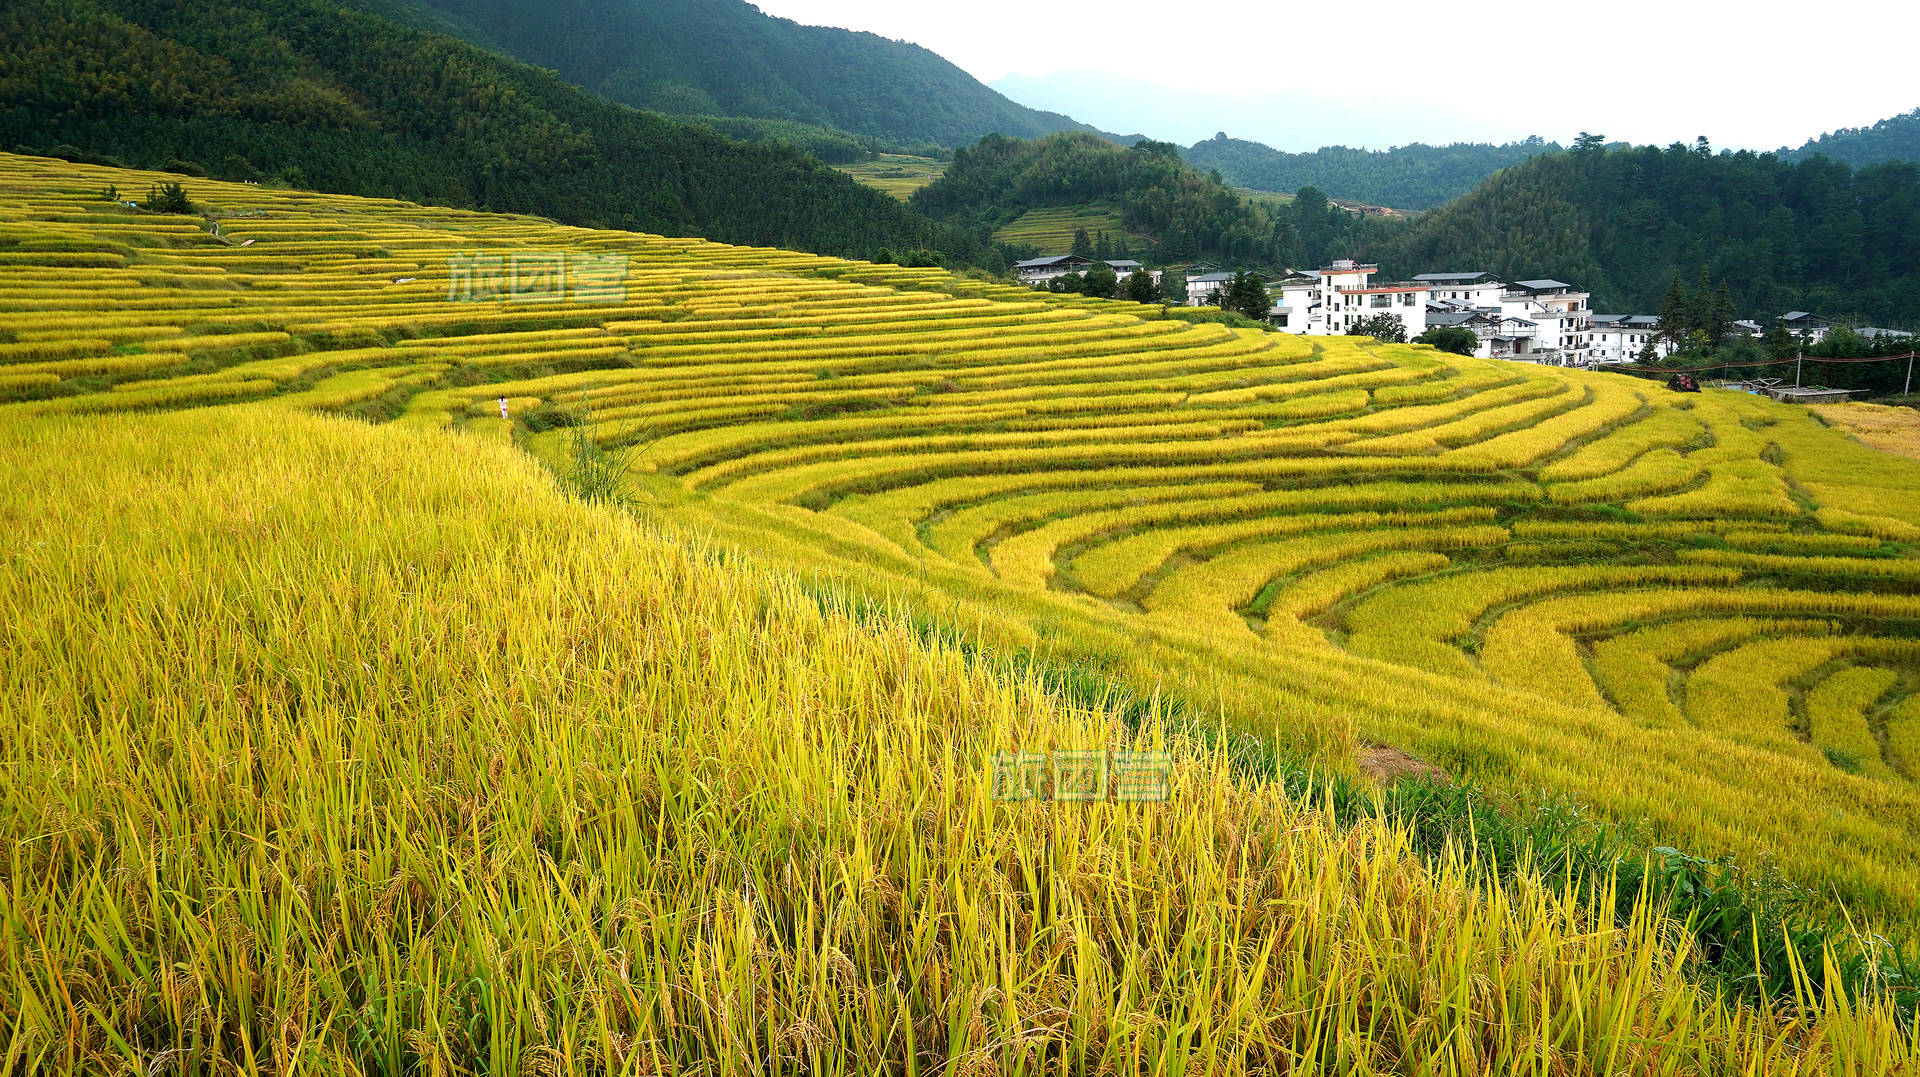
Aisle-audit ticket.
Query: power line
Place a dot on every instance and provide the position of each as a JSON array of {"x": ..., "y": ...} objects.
[{"x": 1773, "y": 362}]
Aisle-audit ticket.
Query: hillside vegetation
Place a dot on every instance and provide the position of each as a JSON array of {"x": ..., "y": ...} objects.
[
  {"x": 726, "y": 58},
  {"x": 1896, "y": 138},
  {"x": 1415, "y": 176},
  {"x": 523, "y": 782},
  {"x": 1146, "y": 189},
  {"x": 1623, "y": 223},
  {"x": 311, "y": 94}
]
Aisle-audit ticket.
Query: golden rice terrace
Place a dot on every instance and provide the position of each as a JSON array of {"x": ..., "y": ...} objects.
[
  {"x": 1695, "y": 614},
  {"x": 1698, "y": 610}
]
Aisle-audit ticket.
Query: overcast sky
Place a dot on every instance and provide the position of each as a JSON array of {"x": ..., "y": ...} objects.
[{"x": 1647, "y": 71}]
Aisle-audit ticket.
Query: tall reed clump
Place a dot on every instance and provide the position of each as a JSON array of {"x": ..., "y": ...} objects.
[{"x": 349, "y": 750}]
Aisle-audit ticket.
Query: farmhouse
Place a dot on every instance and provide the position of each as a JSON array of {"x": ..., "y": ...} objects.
[
  {"x": 1203, "y": 289},
  {"x": 1810, "y": 328},
  {"x": 1038, "y": 272},
  {"x": 1500, "y": 336}
]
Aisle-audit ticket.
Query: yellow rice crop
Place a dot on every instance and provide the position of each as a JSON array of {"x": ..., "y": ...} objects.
[
  {"x": 880, "y": 430},
  {"x": 1837, "y": 714}
]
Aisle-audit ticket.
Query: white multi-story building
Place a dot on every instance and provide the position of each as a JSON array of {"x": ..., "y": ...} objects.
[
  {"x": 1331, "y": 301},
  {"x": 1620, "y": 338},
  {"x": 1405, "y": 301},
  {"x": 1296, "y": 305},
  {"x": 1560, "y": 312}
]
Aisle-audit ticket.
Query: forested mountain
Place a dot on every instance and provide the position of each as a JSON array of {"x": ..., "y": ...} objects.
[
  {"x": 1415, "y": 176},
  {"x": 726, "y": 58},
  {"x": 316, "y": 95},
  {"x": 1893, "y": 139},
  {"x": 1187, "y": 214},
  {"x": 1813, "y": 235}
]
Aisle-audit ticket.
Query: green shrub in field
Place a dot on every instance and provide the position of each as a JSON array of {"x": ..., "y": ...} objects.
[{"x": 168, "y": 197}]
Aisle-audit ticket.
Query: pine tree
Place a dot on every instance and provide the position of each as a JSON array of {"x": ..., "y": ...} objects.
[
  {"x": 1246, "y": 294},
  {"x": 1720, "y": 323},
  {"x": 1676, "y": 315},
  {"x": 1779, "y": 343}
]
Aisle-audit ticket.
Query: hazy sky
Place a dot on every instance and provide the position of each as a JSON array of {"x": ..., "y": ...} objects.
[{"x": 1758, "y": 75}]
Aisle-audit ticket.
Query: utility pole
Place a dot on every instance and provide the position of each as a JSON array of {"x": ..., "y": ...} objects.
[
  {"x": 1909, "y": 389},
  {"x": 1796, "y": 362}
]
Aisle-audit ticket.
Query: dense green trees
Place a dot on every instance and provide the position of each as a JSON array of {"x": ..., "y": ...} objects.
[
  {"x": 1449, "y": 338},
  {"x": 1893, "y": 139},
  {"x": 312, "y": 94},
  {"x": 1697, "y": 320},
  {"x": 1415, "y": 176},
  {"x": 725, "y": 58},
  {"x": 829, "y": 145}
]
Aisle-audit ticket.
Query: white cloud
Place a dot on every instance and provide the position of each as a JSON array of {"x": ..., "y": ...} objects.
[{"x": 1653, "y": 71}]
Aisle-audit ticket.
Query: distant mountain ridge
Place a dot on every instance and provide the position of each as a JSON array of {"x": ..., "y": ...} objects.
[
  {"x": 1181, "y": 212},
  {"x": 727, "y": 58},
  {"x": 1415, "y": 176},
  {"x": 1896, "y": 138},
  {"x": 314, "y": 94}
]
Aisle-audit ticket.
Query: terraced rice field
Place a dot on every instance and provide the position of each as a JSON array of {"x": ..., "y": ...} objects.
[
  {"x": 1052, "y": 229},
  {"x": 897, "y": 174},
  {"x": 1701, "y": 612},
  {"x": 1699, "y": 615},
  {"x": 1270, "y": 199},
  {"x": 1879, "y": 425}
]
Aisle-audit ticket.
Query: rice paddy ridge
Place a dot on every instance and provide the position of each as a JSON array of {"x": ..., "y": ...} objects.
[{"x": 1333, "y": 542}]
